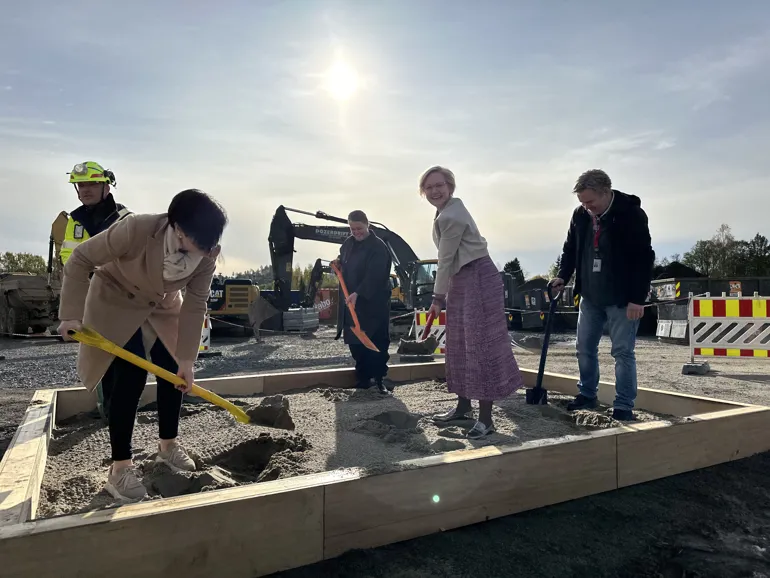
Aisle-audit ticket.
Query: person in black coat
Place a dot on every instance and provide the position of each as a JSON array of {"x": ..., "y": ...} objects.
[
  {"x": 609, "y": 250},
  {"x": 365, "y": 263}
]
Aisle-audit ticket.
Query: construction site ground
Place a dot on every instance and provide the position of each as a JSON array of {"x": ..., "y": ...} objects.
[{"x": 713, "y": 522}]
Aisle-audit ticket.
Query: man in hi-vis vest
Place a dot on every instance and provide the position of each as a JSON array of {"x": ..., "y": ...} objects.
[{"x": 97, "y": 212}]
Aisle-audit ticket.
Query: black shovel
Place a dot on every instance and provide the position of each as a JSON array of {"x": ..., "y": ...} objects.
[{"x": 538, "y": 395}]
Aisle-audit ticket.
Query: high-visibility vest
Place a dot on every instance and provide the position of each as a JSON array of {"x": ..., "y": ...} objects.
[{"x": 76, "y": 233}]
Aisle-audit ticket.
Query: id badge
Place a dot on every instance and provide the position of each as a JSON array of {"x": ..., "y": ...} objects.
[{"x": 597, "y": 265}]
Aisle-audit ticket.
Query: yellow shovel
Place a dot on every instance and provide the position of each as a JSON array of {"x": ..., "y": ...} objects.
[{"x": 90, "y": 337}]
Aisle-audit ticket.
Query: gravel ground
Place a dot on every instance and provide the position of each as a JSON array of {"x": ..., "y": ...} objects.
[{"x": 714, "y": 522}]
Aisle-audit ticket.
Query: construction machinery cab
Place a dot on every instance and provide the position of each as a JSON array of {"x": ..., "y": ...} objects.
[{"x": 229, "y": 300}]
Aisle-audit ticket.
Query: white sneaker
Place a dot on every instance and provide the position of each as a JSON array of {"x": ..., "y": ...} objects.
[
  {"x": 175, "y": 458},
  {"x": 125, "y": 485}
]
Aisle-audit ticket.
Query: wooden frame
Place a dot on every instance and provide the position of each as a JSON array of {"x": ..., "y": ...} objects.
[{"x": 262, "y": 528}]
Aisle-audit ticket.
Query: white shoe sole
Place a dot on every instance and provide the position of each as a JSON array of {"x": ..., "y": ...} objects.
[
  {"x": 172, "y": 467},
  {"x": 113, "y": 491}
]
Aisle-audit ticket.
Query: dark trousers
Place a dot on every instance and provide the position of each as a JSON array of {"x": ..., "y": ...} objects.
[
  {"x": 123, "y": 384},
  {"x": 370, "y": 364}
]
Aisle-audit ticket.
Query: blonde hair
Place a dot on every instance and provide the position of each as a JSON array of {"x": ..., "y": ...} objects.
[{"x": 448, "y": 175}]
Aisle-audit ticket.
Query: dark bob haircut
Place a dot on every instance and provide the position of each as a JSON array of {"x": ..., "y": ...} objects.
[{"x": 199, "y": 217}]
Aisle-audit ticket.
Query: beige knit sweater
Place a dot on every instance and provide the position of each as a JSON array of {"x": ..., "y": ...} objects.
[{"x": 458, "y": 241}]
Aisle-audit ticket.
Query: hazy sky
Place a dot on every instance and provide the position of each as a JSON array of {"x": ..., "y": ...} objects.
[{"x": 338, "y": 105}]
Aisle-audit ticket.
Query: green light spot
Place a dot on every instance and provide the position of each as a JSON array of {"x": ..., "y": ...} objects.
[{"x": 436, "y": 499}]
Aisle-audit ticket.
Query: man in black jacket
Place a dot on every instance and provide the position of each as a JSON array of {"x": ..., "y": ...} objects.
[
  {"x": 608, "y": 248},
  {"x": 365, "y": 263}
]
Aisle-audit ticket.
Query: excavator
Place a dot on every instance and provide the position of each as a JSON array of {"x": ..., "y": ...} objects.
[
  {"x": 30, "y": 301},
  {"x": 412, "y": 282}
]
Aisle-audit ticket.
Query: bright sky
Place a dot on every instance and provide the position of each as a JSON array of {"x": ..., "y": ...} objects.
[{"x": 340, "y": 105}]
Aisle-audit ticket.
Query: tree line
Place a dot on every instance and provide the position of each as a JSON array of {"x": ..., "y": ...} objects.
[
  {"x": 720, "y": 256},
  {"x": 22, "y": 263},
  {"x": 262, "y": 277}
]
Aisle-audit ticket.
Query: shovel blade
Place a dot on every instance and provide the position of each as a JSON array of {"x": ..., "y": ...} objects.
[
  {"x": 425, "y": 347},
  {"x": 537, "y": 396},
  {"x": 364, "y": 339}
]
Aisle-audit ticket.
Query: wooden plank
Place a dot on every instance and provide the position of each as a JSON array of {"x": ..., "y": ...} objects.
[
  {"x": 71, "y": 401},
  {"x": 23, "y": 465},
  {"x": 465, "y": 487},
  {"x": 241, "y": 533},
  {"x": 647, "y": 452},
  {"x": 654, "y": 400},
  {"x": 430, "y": 370}
]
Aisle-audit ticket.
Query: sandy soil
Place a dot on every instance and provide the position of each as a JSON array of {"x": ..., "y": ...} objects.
[{"x": 328, "y": 429}]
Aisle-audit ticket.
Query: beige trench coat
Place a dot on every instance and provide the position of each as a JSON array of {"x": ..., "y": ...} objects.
[{"x": 128, "y": 289}]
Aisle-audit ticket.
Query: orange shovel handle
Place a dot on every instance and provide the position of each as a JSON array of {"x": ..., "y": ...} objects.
[
  {"x": 362, "y": 337},
  {"x": 345, "y": 293}
]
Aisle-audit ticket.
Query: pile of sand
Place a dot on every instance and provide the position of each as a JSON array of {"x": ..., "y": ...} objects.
[{"x": 317, "y": 430}]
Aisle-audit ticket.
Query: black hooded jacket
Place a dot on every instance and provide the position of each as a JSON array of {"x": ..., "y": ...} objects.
[
  {"x": 99, "y": 217},
  {"x": 629, "y": 236},
  {"x": 366, "y": 269}
]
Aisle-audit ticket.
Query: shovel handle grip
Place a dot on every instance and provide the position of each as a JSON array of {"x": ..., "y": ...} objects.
[{"x": 428, "y": 324}]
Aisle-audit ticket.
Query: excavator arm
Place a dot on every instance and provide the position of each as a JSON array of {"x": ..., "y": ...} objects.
[
  {"x": 58, "y": 230},
  {"x": 281, "y": 241}
]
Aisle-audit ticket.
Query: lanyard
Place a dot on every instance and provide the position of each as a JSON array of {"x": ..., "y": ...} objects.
[{"x": 597, "y": 231}]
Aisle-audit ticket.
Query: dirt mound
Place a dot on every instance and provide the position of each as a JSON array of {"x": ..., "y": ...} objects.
[
  {"x": 592, "y": 419},
  {"x": 252, "y": 457},
  {"x": 162, "y": 481},
  {"x": 454, "y": 432},
  {"x": 393, "y": 426},
  {"x": 443, "y": 445},
  {"x": 74, "y": 489},
  {"x": 257, "y": 460},
  {"x": 333, "y": 395},
  {"x": 398, "y": 419},
  {"x": 271, "y": 411},
  {"x": 600, "y": 418}
]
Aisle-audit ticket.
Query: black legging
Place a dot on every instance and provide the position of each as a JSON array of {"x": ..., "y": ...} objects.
[{"x": 123, "y": 384}]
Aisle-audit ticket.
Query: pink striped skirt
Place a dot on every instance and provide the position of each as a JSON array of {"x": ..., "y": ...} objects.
[{"x": 480, "y": 364}]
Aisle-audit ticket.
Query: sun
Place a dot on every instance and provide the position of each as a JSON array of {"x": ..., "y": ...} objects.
[{"x": 341, "y": 81}]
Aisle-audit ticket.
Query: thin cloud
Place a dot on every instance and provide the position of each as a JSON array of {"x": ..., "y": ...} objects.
[
  {"x": 234, "y": 104},
  {"x": 707, "y": 77}
]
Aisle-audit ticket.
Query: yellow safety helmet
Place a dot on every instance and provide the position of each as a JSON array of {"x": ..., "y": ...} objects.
[{"x": 91, "y": 172}]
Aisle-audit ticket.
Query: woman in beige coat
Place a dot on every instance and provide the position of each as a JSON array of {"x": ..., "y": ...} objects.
[{"x": 140, "y": 266}]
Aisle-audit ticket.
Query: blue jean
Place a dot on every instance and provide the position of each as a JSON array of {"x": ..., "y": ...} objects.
[{"x": 591, "y": 320}]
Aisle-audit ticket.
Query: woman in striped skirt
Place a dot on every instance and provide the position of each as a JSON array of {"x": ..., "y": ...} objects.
[{"x": 479, "y": 358}]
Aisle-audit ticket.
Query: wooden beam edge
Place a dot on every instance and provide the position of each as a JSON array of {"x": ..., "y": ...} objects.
[
  {"x": 23, "y": 465},
  {"x": 168, "y": 505},
  {"x": 393, "y": 507},
  {"x": 701, "y": 441}
]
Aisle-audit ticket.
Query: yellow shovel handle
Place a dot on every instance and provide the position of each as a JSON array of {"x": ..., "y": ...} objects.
[{"x": 90, "y": 337}]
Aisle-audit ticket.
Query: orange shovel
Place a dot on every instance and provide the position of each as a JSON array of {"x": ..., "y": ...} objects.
[{"x": 357, "y": 331}]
